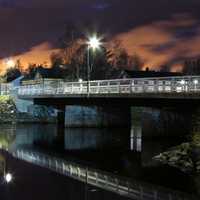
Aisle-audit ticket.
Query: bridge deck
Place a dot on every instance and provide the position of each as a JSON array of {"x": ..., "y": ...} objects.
[{"x": 165, "y": 87}]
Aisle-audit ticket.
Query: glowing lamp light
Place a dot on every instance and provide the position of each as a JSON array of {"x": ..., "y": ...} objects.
[
  {"x": 8, "y": 177},
  {"x": 195, "y": 82},
  {"x": 182, "y": 82},
  {"x": 10, "y": 63},
  {"x": 94, "y": 42},
  {"x": 80, "y": 80}
]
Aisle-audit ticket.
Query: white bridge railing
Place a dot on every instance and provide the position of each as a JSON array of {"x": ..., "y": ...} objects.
[
  {"x": 101, "y": 179},
  {"x": 178, "y": 84}
]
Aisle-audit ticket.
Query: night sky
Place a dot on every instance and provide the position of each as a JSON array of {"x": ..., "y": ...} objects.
[{"x": 161, "y": 31}]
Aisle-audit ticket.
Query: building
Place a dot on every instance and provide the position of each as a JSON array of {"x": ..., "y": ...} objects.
[{"x": 149, "y": 73}]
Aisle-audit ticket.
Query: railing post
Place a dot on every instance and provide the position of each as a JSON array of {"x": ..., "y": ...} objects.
[
  {"x": 119, "y": 87},
  {"x": 56, "y": 165},
  {"x": 170, "y": 197},
  {"x": 155, "y": 195},
  {"x": 78, "y": 169},
  {"x": 143, "y": 86},
  {"x": 108, "y": 87},
  {"x": 98, "y": 87},
  {"x": 141, "y": 193},
  {"x": 131, "y": 86},
  {"x": 117, "y": 184},
  {"x": 96, "y": 176},
  {"x": 63, "y": 167},
  {"x": 49, "y": 163},
  {"x": 156, "y": 85},
  {"x": 86, "y": 175},
  {"x": 190, "y": 85},
  {"x": 173, "y": 85},
  {"x": 128, "y": 187},
  {"x": 72, "y": 88},
  {"x": 106, "y": 180}
]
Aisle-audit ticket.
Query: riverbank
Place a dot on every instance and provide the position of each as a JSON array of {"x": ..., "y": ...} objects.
[
  {"x": 36, "y": 114},
  {"x": 185, "y": 156}
]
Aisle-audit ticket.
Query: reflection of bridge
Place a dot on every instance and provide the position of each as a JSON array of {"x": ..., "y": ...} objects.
[{"x": 101, "y": 179}]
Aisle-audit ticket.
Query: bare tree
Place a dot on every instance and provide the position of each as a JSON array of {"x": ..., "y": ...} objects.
[{"x": 135, "y": 62}]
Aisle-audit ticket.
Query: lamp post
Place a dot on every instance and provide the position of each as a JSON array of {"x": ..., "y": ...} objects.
[{"x": 93, "y": 43}]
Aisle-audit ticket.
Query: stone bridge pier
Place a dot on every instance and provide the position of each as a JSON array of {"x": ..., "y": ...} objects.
[
  {"x": 93, "y": 116},
  {"x": 155, "y": 122},
  {"x": 90, "y": 117},
  {"x": 166, "y": 122}
]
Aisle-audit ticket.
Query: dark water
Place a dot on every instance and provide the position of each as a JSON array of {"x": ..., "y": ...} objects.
[{"x": 118, "y": 151}]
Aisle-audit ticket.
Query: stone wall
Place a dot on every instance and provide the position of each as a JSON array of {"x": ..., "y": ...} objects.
[
  {"x": 84, "y": 116},
  {"x": 165, "y": 122}
]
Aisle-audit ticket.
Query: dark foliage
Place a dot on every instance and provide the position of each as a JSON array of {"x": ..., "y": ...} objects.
[
  {"x": 192, "y": 67},
  {"x": 12, "y": 73}
]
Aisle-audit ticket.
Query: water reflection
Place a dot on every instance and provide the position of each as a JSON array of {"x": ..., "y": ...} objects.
[
  {"x": 111, "y": 182},
  {"x": 2, "y": 165},
  {"x": 136, "y": 138},
  {"x": 120, "y": 151},
  {"x": 84, "y": 139},
  {"x": 7, "y": 136},
  {"x": 74, "y": 139}
]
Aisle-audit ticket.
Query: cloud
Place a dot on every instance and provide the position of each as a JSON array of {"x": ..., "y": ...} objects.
[
  {"x": 29, "y": 23},
  {"x": 39, "y": 54},
  {"x": 164, "y": 42}
]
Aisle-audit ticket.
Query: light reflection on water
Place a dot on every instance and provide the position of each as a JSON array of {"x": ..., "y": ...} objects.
[
  {"x": 74, "y": 138},
  {"x": 119, "y": 150},
  {"x": 136, "y": 138}
]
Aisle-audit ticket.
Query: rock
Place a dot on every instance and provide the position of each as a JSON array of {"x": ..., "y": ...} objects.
[
  {"x": 41, "y": 111},
  {"x": 198, "y": 166},
  {"x": 179, "y": 157}
]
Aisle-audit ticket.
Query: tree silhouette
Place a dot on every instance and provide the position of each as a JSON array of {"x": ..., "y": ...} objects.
[
  {"x": 11, "y": 74},
  {"x": 191, "y": 67},
  {"x": 135, "y": 62}
]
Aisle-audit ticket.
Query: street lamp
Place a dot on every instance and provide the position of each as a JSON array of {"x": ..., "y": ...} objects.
[
  {"x": 93, "y": 43},
  {"x": 182, "y": 82}
]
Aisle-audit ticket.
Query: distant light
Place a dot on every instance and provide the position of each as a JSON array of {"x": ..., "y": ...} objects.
[
  {"x": 195, "y": 82},
  {"x": 8, "y": 177},
  {"x": 93, "y": 190},
  {"x": 94, "y": 42},
  {"x": 10, "y": 63},
  {"x": 80, "y": 80},
  {"x": 182, "y": 82}
]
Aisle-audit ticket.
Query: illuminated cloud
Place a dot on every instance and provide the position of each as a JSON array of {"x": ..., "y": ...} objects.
[
  {"x": 148, "y": 29},
  {"x": 39, "y": 54},
  {"x": 166, "y": 42}
]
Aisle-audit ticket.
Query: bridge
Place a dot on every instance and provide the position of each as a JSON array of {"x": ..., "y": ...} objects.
[
  {"x": 113, "y": 97},
  {"x": 116, "y": 96},
  {"x": 170, "y": 88},
  {"x": 179, "y": 87}
]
